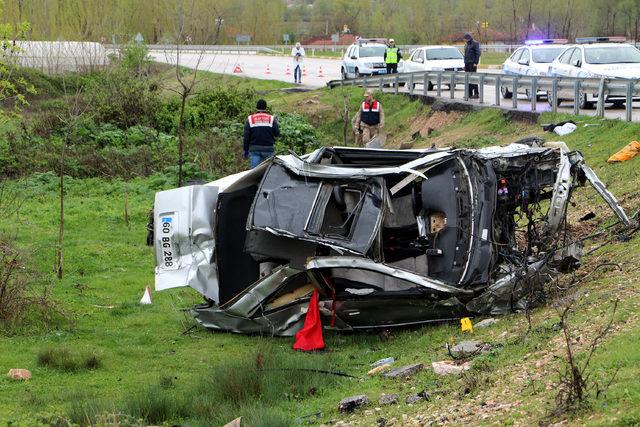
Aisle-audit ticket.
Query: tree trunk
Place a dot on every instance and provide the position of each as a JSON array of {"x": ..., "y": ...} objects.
[
  {"x": 183, "y": 104},
  {"x": 61, "y": 226}
]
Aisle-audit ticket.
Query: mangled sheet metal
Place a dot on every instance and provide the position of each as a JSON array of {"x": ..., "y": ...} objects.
[{"x": 387, "y": 237}]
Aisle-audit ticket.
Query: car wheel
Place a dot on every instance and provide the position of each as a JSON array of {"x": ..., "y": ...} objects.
[
  {"x": 584, "y": 104},
  {"x": 506, "y": 93},
  {"x": 343, "y": 74},
  {"x": 357, "y": 73},
  {"x": 618, "y": 104},
  {"x": 430, "y": 85},
  {"x": 550, "y": 100}
]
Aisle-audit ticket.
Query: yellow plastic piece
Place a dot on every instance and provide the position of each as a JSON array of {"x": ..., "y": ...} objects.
[
  {"x": 627, "y": 153},
  {"x": 466, "y": 325}
]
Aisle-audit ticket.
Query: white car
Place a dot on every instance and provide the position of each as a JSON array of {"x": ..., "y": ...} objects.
[
  {"x": 597, "y": 57},
  {"x": 532, "y": 59},
  {"x": 364, "y": 57},
  {"x": 433, "y": 58}
]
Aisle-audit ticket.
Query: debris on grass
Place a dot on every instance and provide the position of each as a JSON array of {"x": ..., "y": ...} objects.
[
  {"x": 447, "y": 367},
  {"x": 19, "y": 374},
  {"x": 405, "y": 371},
  {"x": 349, "y": 404}
]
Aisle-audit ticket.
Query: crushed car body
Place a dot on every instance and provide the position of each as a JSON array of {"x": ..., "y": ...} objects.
[{"x": 387, "y": 237}]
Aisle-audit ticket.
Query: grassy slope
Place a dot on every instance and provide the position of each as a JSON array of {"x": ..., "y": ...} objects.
[{"x": 107, "y": 264}]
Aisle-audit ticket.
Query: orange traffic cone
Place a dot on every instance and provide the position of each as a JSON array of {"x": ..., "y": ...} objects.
[
  {"x": 304, "y": 71},
  {"x": 237, "y": 69},
  {"x": 287, "y": 71},
  {"x": 146, "y": 297},
  {"x": 320, "y": 74},
  {"x": 268, "y": 70},
  {"x": 309, "y": 338}
]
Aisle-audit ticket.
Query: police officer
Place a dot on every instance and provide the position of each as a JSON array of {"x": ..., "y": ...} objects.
[
  {"x": 392, "y": 56},
  {"x": 369, "y": 120},
  {"x": 471, "y": 60},
  {"x": 260, "y": 132}
]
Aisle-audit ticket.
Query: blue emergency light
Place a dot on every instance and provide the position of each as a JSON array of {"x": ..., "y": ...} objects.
[
  {"x": 545, "y": 41},
  {"x": 588, "y": 40}
]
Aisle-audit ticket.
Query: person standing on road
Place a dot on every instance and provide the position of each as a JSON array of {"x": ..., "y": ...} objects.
[
  {"x": 471, "y": 61},
  {"x": 369, "y": 120},
  {"x": 392, "y": 56},
  {"x": 260, "y": 132},
  {"x": 297, "y": 53}
]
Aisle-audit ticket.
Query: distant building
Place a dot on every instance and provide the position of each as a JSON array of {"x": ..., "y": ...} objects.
[
  {"x": 60, "y": 57},
  {"x": 344, "y": 40}
]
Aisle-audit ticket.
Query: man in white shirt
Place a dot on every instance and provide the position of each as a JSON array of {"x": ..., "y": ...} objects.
[{"x": 297, "y": 53}]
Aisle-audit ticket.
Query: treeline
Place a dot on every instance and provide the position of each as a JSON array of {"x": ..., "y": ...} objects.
[{"x": 265, "y": 21}]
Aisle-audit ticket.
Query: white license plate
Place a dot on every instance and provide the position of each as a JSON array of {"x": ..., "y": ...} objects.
[{"x": 168, "y": 258}]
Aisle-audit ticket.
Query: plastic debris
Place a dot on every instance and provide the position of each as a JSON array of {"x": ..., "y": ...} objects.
[
  {"x": 146, "y": 297},
  {"x": 565, "y": 129},
  {"x": 385, "y": 361}
]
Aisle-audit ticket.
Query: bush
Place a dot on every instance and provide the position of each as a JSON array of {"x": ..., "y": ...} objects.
[
  {"x": 156, "y": 405},
  {"x": 65, "y": 360},
  {"x": 297, "y": 135}
]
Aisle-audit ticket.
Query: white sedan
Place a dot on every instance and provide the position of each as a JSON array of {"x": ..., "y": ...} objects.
[
  {"x": 433, "y": 58},
  {"x": 597, "y": 57}
]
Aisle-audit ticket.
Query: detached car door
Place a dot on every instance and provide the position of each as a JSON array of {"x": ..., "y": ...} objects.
[{"x": 344, "y": 215}]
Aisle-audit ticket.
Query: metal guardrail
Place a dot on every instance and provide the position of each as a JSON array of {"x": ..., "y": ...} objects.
[{"x": 555, "y": 88}]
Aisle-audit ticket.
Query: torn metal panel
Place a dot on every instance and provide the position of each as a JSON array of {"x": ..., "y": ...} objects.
[
  {"x": 184, "y": 239},
  {"x": 602, "y": 190},
  {"x": 561, "y": 194}
]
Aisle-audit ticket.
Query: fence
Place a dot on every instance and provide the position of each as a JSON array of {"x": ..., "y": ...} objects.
[{"x": 556, "y": 89}]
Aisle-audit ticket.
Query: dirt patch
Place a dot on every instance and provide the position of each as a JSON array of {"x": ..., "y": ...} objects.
[{"x": 435, "y": 121}]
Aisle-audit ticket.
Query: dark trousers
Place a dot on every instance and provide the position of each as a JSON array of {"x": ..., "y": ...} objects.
[
  {"x": 392, "y": 68},
  {"x": 473, "y": 88},
  {"x": 297, "y": 74}
]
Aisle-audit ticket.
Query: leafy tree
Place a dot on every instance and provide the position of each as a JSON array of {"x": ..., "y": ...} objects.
[{"x": 13, "y": 87}]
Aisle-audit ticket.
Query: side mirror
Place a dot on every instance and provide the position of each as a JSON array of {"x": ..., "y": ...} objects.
[
  {"x": 354, "y": 57},
  {"x": 577, "y": 63},
  {"x": 523, "y": 62}
]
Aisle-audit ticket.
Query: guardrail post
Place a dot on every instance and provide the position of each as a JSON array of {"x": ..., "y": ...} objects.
[
  {"x": 628, "y": 105},
  {"x": 514, "y": 92},
  {"x": 452, "y": 86},
  {"x": 397, "y": 83},
  {"x": 600, "y": 107},
  {"x": 411, "y": 84},
  {"x": 534, "y": 94},
  {"x": 576, "y": 97},
  {"x": 554, "y": 96},
  {"x": 481, "y": 89},
  {"x": 466, "y": 86},
  {"x": 498, "y": 79},
  {"x": 439, "y": 84},
  {"x": 425, "y": 83}
]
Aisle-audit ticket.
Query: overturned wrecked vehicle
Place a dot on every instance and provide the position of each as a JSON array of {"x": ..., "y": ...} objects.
[{"x": 387, "y": 237}]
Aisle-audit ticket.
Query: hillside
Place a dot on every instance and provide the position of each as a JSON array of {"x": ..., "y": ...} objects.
[{"x": 98, "y": 357}]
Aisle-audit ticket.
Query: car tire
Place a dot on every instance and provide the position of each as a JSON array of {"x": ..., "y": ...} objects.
[
  {"x": 505, "y": 92},
  {"x": 550, "y": 100},
  {"x": 429, "y": 85},
  {"x": 618, "y": 104},
  {"x": 527, "y": 93},
  {"x": 584, "y": 104},
  {"x": 343, "y": 74},
  {"x": 357, "y": 74}
]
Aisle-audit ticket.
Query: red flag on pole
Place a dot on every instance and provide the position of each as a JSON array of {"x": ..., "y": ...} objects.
[{"x": 309, "y": 338}]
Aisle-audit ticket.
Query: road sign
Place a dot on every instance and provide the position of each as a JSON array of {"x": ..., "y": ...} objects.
[
  {"x": 242, "y": 38},
  {"x": 138, "y": 38},
  {"x": 335, "y": 38},
  {"x": 285, "y": 38},
  {"x": 484, "y": 24}
]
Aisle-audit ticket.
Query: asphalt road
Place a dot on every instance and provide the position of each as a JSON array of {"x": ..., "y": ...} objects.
[
  {"x": 275, "y": 68},
  {"x": 255, "y": 66}
]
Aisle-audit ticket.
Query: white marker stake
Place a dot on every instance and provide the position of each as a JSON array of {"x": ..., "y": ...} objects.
[{"x": 146, "y": 298}]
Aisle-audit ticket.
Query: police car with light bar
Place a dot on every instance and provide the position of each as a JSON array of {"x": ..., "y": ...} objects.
[
  {"x": 364, "y": 57},
  {"x": 532, "y": 59},
  {"x": 597, "y": 57}
]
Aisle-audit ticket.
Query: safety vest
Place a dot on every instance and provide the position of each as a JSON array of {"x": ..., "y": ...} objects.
[
  {"x": 260, "y": 119},
  {"x": 392, "y": 55},
  {"x": 370, "y": 113}
]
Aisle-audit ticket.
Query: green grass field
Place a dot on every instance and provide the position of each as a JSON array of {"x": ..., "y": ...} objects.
[{"x": 153, "y": 367}]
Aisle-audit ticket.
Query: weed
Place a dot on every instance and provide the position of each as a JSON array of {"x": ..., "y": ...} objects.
[
  {"x": 64, "y": 360},
  {"x": 155, "y": 405}
]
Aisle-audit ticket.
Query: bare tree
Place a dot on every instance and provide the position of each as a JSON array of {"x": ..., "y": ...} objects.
[{"x": 186, "y": 81}]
